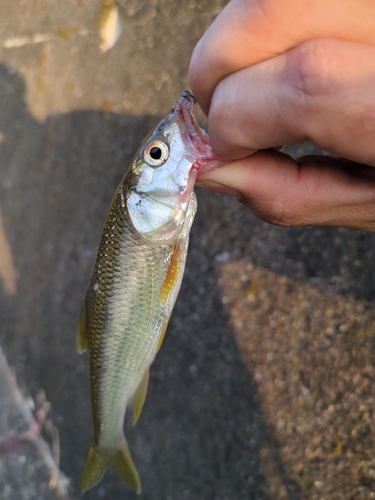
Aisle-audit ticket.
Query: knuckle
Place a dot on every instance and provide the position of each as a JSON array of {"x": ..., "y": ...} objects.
[
  {"x": 308, "y": 69},
  {"x": 366, "y": 118},
  {"x": 275, "y": 213},
  {"x": 279, "y": 215}
]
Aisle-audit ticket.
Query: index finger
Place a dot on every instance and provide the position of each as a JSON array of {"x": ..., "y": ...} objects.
[{"x": 247, "y": 32}]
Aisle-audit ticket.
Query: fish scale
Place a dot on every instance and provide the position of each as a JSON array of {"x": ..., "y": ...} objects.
[{"x": 124, "y": 313}]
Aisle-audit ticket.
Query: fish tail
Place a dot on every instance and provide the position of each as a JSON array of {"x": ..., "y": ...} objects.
[
  {"x": 125, "y": 468},
  {"x": 120, "y": 459}
]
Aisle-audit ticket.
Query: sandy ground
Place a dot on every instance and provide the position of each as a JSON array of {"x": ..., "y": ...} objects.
[{"x": 264, "y": 386}]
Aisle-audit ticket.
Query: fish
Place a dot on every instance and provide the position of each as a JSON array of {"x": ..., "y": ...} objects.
[{"x": 135, "y": 281}]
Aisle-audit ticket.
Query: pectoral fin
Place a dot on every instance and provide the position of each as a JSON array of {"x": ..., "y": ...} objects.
[
  {"x": 139, "y": 396},
  {"x": 82, "y": 339}
]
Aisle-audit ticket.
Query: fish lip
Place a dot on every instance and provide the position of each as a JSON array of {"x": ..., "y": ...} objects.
[
  {"x": 187, "y": 100},
  {"x": 196, "y": 140},
  {"x": 183, "y": 113},
  {"x": 188, "y": 96}
]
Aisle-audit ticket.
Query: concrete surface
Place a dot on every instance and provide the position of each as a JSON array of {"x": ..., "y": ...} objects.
[
  {"x": 264, "y": 387},
  {"x": 27, "y": 469}
]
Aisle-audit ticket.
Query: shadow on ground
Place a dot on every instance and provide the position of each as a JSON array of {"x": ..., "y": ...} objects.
[
  {"x": 264, "y": 385},
  {"x": 202, "y": 433}
]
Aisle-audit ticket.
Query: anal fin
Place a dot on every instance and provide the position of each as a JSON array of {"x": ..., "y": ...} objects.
[
  {"x": 162, "y": 334},
  {"x": 139, "y": 396}
]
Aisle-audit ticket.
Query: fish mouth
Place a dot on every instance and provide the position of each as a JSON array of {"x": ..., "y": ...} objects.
[
  {"x": 183, "y": 111},
  {"x": 196, "y": 139}
]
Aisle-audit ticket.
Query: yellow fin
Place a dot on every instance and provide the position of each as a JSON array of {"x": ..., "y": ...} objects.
[
  {"x": 125, "y": 468},
  {"x": 82, "y": 339},
  {"x": 139, "y": 396},
  {"x": 121, "y": 461},
  {"x": 162, "y": 334},
  {"x": 95, "y": 467},
  {"x": 173, "y": 272}
]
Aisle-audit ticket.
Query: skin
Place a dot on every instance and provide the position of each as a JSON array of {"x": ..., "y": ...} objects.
[{"x": 275, "y": 72}]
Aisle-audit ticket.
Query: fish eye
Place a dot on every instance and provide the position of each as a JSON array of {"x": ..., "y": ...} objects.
[{"x": 156, "y": 153}]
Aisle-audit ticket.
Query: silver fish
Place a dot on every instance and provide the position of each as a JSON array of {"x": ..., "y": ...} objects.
[{"x": 136, "y": 279}]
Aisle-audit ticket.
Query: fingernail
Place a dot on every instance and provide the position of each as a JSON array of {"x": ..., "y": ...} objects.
[{"x": 218, "y": 188}]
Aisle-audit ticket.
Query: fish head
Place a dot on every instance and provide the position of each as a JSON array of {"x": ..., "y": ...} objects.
[{"x": 161, "y": 179}]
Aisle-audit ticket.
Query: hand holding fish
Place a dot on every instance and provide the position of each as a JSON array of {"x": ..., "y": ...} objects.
[{"x": 278, "y": 72}]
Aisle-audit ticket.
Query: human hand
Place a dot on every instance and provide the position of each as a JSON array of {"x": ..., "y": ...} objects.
[{"x": 273, "y": 72}]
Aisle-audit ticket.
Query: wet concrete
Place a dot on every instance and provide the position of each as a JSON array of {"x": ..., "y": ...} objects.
[{"x": 264, "y": 385}]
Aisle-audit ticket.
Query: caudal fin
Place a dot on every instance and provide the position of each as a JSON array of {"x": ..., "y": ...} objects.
[
  {"x": 120, "y": 460},
  {"x": 125, "y": 468}
]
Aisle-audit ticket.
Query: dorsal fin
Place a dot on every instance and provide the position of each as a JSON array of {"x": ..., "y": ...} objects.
[{"x": 82, "y": 339}]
